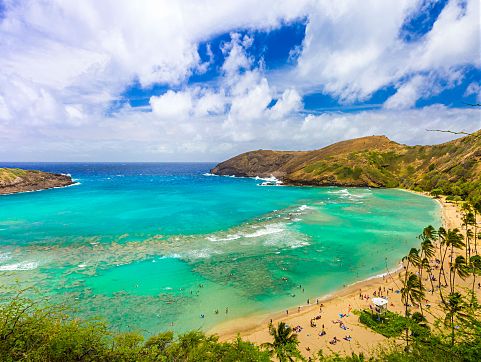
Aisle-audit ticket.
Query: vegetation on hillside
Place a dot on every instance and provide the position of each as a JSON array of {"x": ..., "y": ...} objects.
[
  {"x": 31, "y": 332},
  {"x": 9, "y": 175},
  {"x": 14, "y": 180},
  {"x": 452, "y": 168}
]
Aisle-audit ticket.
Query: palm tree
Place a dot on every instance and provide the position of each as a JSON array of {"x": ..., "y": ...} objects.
[
  {"x": 468, "y": 219},
  {"x": 469, "y": 237},
  {"x": 460, "y": 268},
  {"x": 442, "y": 244},
  {"x": 429, "y": 232},
  {"x": 284, "y": 346},
  {"x": 412, "y": 291},
  {"x": 427, "y": 252},
  {"x": 412, "y": 258},
  {"x": 454, "y": 310},
  {"x": 454, "y": 240},
  {"x": 475, "y": 268},
  {"x": 476, "y": 210},
  {"x": 427, "y": 265}
]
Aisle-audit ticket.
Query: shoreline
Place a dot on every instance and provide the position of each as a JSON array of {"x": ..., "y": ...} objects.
[
  {"x": 254, "y": 327},
  {"x": 74, "y": 183},
  {"x": 227, "y": 332}
]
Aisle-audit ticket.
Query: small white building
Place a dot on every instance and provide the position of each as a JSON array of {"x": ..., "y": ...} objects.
[{"x": 380, "y": 305}]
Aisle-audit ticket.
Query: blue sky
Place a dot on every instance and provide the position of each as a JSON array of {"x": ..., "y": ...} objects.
[{"x": 154, "y": 81}]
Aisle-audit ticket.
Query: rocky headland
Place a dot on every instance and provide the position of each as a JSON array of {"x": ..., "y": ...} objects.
[
  {"x": 373, "y": 161},
  {"x": 14, "y": 180}
]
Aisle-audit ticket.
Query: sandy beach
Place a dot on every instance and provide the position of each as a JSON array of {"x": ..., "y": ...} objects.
[{"x": 329, "y": 310}]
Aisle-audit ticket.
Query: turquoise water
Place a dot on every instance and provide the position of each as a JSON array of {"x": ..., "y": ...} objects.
[{"x": 154, "y": 246}]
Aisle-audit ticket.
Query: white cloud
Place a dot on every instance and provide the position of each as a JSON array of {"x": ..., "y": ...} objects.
[
  {"x": 210, "y": 103},
  {"x": 407, "y": 94},
  {"x": 236, "y": 59},
  {"x": 454, "y": 39},
  {"x": 290, "y": 101},
  {"x": 403, "y": 126},
  {"x": 4, "y": 111},
  {"x": 57, "y": 83},
  {"x": 474, "y": 88},
  {"x": 172, "y": 105},
  {"x": 352, "y": 49}
]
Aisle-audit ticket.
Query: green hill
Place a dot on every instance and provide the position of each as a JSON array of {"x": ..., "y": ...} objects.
[{"x": 453, "y": 167}]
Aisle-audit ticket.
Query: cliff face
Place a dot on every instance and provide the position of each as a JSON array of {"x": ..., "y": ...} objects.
[
  {"x": 373, "y": 161},
  {"x": 13, "y": 180}
]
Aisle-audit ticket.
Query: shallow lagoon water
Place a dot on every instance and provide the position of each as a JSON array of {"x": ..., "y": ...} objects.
[{"x": 153, "y": 246}]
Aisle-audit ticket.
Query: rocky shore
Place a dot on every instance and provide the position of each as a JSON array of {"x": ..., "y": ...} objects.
[{"x": 14, "y": 180}]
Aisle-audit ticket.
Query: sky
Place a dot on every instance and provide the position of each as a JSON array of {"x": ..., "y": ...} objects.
[{"x": 200, "y": 80}]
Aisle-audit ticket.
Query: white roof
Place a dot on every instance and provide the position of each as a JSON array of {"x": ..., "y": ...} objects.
[{"x": 379, "y": 301}]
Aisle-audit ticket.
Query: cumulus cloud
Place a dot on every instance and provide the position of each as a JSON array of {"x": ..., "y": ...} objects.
[
  {"x": 289, "y": 102},
  {"x": 172, "y": 105},
  {"x": 352, "y": 49},
  {"x": 404, "y": 126},
  {"x": 58, "y": 83},
  {"x": 407, "y": 94},
  {"x": 473, "y": 88}
]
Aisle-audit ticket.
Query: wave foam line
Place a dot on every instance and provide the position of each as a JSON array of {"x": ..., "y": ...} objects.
[{"x": 19, "y": 266}]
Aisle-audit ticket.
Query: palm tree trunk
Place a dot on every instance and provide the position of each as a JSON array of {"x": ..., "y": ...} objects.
[
  {"x": 442, "y": 266},
  {"x": 421, "y": 280},
  {"x": 475, "y": 231},
  {"x": 452, "y": 328},
  {"x": 474, "y": 280},
  {"x": 441, "y": 270},
  {"x": 451, "y": 270},
  {"x": 405, "y": 315},
  {"x": 406, "y": 304},
  {"x": 467, "y": 239},
  {"x": 454, "y": 277},
  {"x": 406, "y": 274},
  {"x": 430, "y": 273}
]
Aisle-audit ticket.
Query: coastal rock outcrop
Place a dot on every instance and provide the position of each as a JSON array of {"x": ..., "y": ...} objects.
[
  {"x": 373, "y": 161},
  {"x": 14, "y": 180}
]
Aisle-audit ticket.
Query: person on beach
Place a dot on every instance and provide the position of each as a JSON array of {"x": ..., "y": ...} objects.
[{"x": 287, "y": 311}]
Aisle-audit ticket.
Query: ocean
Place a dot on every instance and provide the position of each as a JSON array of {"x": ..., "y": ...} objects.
[{"x": 167, "y": 246}]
